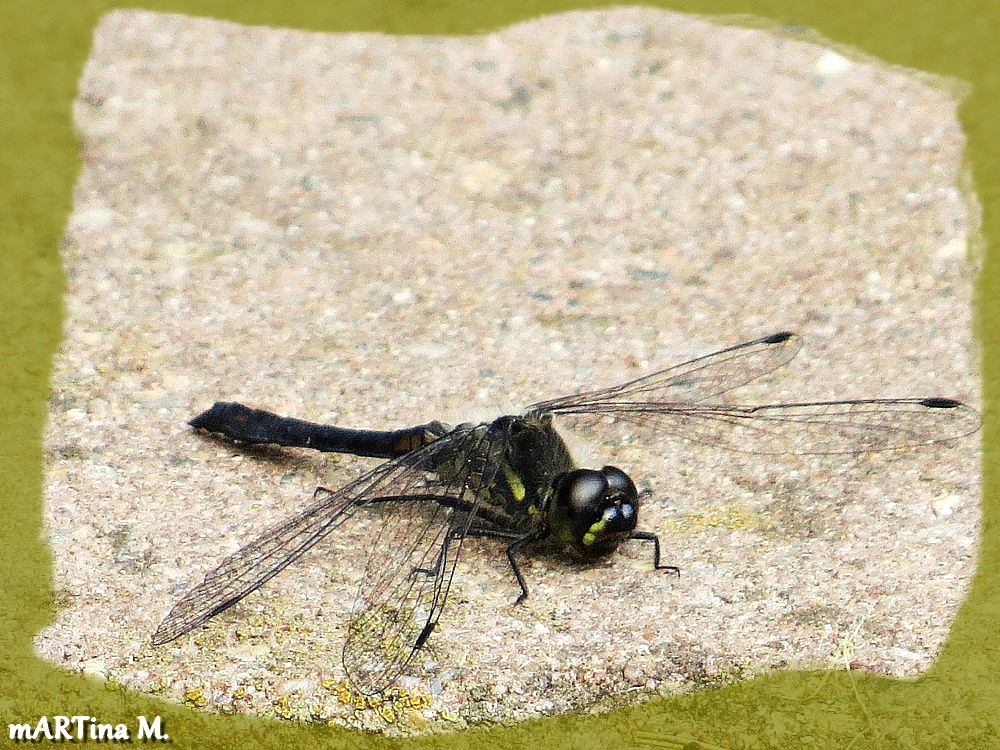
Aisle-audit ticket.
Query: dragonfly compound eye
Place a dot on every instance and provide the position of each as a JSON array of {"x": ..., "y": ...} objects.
[{"x": 595, "y": 510}]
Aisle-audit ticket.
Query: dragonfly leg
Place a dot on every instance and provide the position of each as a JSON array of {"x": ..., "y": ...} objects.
[
  {"x": 520, "y": 541},
  {"x": 432, "y": 572},
  {"x": 424, "y": 634},
  {"x": 648, "y": 536}
]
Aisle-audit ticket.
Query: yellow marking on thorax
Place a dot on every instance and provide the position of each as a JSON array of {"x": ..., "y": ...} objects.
[{"x": 516, "y": 485}]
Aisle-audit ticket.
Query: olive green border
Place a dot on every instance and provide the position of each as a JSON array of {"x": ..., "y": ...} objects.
[{"x": 43, "y": 47}]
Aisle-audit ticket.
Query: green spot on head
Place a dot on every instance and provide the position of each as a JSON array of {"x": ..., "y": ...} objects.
[{"x": 595, "y": 528}]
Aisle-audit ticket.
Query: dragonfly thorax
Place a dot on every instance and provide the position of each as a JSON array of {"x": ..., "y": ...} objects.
[{"x": 594, "y": 511}]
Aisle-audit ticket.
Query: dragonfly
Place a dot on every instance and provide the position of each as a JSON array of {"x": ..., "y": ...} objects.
[{"x": 514, "y": 479}]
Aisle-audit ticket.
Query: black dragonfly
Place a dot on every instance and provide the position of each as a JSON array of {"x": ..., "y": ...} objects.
[{"x": 513, "y": 478}]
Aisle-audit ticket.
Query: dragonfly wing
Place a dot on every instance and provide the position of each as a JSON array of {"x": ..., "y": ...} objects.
[
  {"x": 672, "y": 402},
  {"x": 689, "y": 382},
  {"x": 250, "y": 567},
  {"x": 825, "y": 427},
  {"x": 412, "y": 561}
]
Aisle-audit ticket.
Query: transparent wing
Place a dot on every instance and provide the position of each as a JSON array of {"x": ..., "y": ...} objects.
[
  {"x": 409, "y": 567},
  {"x": 412, "y": 561},
  {"x": 823, "y": 427},
  {"x": 689, "y": 382},
  {"x": 252, "y": 566},
  {"x": 671, "y": 402}
]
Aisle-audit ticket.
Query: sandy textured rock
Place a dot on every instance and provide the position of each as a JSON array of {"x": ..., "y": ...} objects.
[{"x": 378, "y": 231}]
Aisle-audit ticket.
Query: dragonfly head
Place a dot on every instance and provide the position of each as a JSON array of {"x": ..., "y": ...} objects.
[{"x": 594, "y": 511}]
